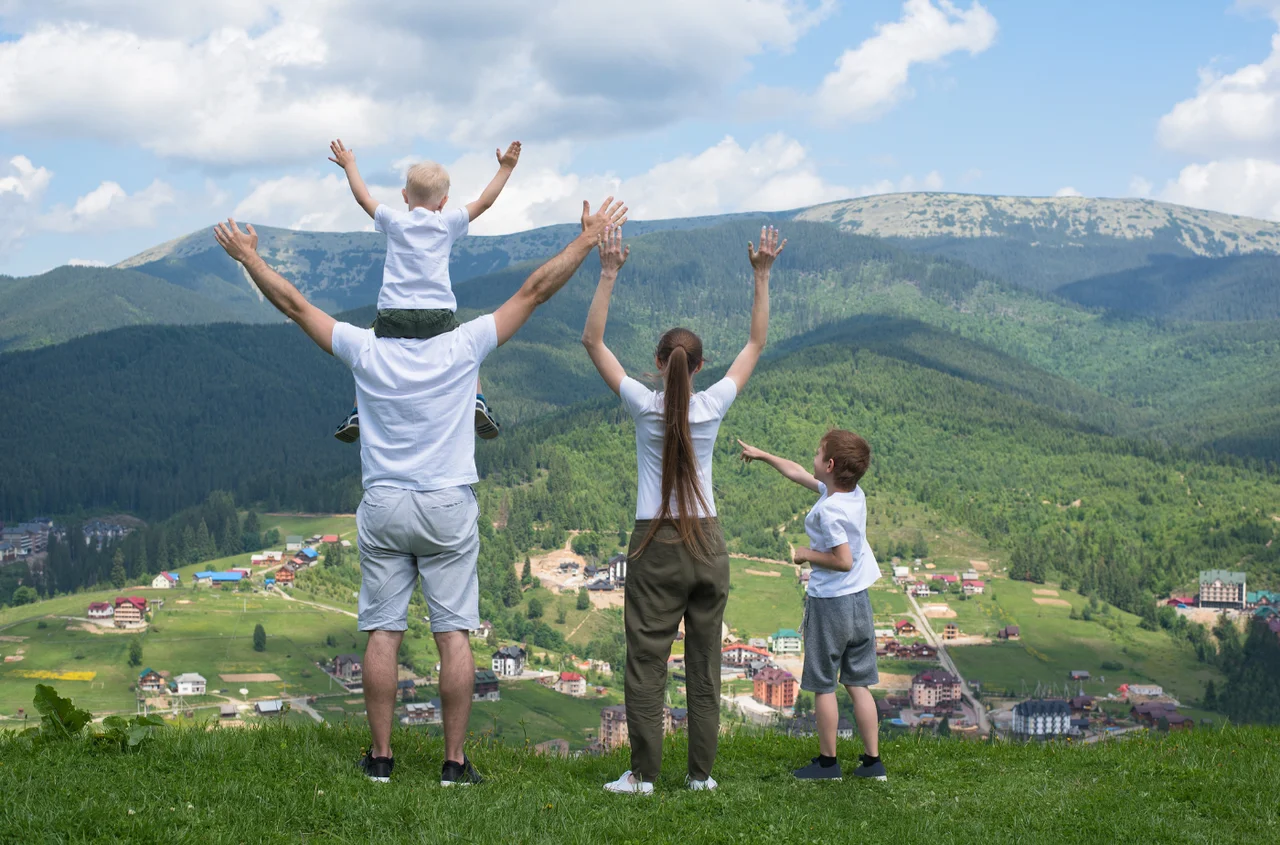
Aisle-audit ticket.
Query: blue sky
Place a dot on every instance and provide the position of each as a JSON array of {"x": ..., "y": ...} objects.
[{"x": 124, "y": 123}]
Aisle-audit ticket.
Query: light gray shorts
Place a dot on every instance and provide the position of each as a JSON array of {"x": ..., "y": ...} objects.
[
  {"x": 404, "y": 534},
  {"x": 839, "y": 636}
]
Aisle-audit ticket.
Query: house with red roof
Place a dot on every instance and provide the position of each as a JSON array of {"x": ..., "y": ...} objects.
[
  {"x": 947, "y": 579},
  {"x": 284, "y": 575},
  {"x": 329, "y": 538},
  {"x": 904, "y": 628},
  {"x": 571, "y": 683},
  {"x": 165, "y": 581},
  {"x": 741, "y": 655},
  {"x": 129, "y": 611},
  {"x": 974, "y": 588},
  {"x": 100, "y": 610}
]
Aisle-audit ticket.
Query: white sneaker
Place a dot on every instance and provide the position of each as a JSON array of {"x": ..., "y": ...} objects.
[
  {"x": 628, "y": 784},
  {"x": 698, "y": 785}
]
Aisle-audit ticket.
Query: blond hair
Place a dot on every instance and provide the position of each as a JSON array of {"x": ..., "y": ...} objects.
[{"x": 426, "y": 183}]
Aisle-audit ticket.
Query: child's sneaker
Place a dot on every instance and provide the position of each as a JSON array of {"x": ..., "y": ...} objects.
[
  {"x": 873, "y": 769},
  {"x": 816, "y": 771},
  {"x": 349, "y": 431},
  {"x": 630, "y": 785},
  {"x": 486, "y": 424}
]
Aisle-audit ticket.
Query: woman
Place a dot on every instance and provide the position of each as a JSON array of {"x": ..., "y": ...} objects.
[{"x": 678, "y": 567}]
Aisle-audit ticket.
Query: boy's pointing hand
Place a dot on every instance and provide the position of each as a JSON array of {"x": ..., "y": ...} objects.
[{"x": 750, "y": 453}]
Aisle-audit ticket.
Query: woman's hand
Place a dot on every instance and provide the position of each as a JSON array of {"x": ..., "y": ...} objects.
[
  {"x": 612, "y": 253},
  {"x": 762, "y": 258}
]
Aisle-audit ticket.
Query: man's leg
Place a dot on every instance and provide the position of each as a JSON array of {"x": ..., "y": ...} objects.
[
  {"x": 380, "y": 687},
  {"x": 457, "y": 681}
]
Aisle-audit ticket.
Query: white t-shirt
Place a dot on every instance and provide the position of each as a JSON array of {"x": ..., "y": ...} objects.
[
  {"x": 417, "y": 403},
  {"x": 706, "y": 410},
  {"x": 416, "y": 271},
  {"x": 839, "y": 518}
]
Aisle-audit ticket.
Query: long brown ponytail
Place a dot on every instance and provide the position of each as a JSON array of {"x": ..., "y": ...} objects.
[{"x": 679, "y": 353}]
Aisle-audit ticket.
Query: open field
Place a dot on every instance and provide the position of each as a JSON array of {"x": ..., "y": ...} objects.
[
  {"x": 760, "y": 605},
  {"x": 225, "y": 786},
  {"x": 1053, "y": 644}
]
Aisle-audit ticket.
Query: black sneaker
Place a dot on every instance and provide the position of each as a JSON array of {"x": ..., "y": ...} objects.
[
  {"x": 377, "y": 769},
  {"x": 817, "y": 771},
  {"x": 486, "y": 424},
  {"x": 875, "y": 770},
  {"x": 459, "y": 774},
  {"x": 349, "y": 431}
]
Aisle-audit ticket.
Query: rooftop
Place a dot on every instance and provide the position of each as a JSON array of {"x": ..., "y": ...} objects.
[{"x": 1208, "y": 576}]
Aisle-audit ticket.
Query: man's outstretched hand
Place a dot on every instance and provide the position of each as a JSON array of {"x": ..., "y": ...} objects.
[
  {"x": 609, "y": 213},
  {"x": 239, "y": 245},
  {"x": 762, "y": 258}
]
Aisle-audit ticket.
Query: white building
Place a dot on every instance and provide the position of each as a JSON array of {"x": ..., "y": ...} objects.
[
  {"x": 483, "y": 630},
  {"x": 190, "y": 684},
  {"x": 508, "y": 661},
  {"x": 164, "y": 581},
  {"x": 786, "y": 641},
  {"x": 1040, "y": 718},
  {"x": 618, "y": 569}
]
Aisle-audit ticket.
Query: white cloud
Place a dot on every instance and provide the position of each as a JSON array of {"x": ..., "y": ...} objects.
[
  {"x": 871, "y": 77},
  {"x": 772, "y": 174},
  {"x": 1250, "y": 187},
  {"x": 109, "y": 207},
  {"x": 970, "y": 176},
  {"x": 907, "y": 184},
  {"x": 1234, "y": 114},
  {"x": 263, "y": 84},
  {"x": 86, "y": 262},
  {"x": 22, "y": 187},
  {"x": 1140, "y": 187},
  {"x": 1068, "y": 191}
]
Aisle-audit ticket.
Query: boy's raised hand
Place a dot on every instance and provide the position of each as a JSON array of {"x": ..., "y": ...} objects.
[
  {"x": 751, "y": 453},
  {"x": 342, "y": 156},
  {"x": 762, "y": 258},
  {"x": 612, "y": 253},
  {"x": 511, "y": 157}
]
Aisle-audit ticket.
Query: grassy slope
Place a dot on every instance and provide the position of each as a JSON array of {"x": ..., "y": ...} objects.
[{"x": 290, "y": 783}]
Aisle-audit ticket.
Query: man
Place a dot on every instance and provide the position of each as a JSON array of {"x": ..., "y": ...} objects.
[{"x": 418, "y": 517}]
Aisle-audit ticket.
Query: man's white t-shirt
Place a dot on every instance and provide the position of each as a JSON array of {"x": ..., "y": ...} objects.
[
  {"x": 840, "y": 518},
  {"x": 706, "y": 410},
  {"x": 416, "y": 272},
  {"x": 417, "y": 403}
]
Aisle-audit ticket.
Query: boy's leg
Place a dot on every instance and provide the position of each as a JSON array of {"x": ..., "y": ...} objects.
[
  {"x": 827, "y": 712},
  {"x": 864, "y": 713},
  {"x": 349, "y": 429},
  {"x": 487, "y": 426}
]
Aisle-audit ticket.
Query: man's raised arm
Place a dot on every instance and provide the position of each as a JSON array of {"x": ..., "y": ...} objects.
[
  {"x": 243, "y": 247},
  {"x": 543, "y": 283}
]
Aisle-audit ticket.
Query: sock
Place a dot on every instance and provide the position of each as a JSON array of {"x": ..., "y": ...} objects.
[
  {"x": 868, "y": 760},
  {"x": 826, "y": 762}
]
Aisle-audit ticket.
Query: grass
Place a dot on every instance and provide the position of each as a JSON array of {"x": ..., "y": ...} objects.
[
  {"x": 291, "y": 783},
  {"x": 1053, "y": 644},
  {"x": 759, "y": 605}
]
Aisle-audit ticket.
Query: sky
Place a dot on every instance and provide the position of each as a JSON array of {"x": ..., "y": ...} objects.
[{"x": 126, "y": 123}]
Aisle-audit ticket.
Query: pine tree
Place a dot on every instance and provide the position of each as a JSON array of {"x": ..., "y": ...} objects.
[
  {"x": 510, "y": 587},
  {"x": 1210, "y": 697},
  {"x": 561, "y": 616},
  {"x": 135, "y": 653},
  {"x": 584, "y": 599},
  {"x": 526, "y": 575},
  {"x": 535, "y": 609},
  {"x": 205, "y": 549},
  {"x": 117, "y": 569},
  {"x": 944, "y": 729},
  {"x": 188, "y": 550},
  {"x": 259, "y": 638}
]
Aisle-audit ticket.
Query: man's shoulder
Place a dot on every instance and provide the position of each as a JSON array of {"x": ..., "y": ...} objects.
[{"x": 349, "y": 341}]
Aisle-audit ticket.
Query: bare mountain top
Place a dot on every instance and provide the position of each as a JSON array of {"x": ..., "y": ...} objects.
[{"x": 1059, "y": 219}]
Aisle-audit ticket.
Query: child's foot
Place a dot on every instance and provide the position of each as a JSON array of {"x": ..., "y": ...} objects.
[
  {"x": 486, "y": 424},
  {"x": 816, "y": 771},
  {"x": 871, "y": 767},
  {"x": 349, "y": 431}
]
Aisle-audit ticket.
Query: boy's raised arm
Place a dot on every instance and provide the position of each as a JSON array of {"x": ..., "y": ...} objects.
[
  {"x": 506, "y": 163},
  {"x": 790, "y": 470},
  {"x": 346, "y": 159}
]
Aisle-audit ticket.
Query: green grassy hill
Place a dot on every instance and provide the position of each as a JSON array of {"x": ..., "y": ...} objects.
[{"x": 279, "y": 784}]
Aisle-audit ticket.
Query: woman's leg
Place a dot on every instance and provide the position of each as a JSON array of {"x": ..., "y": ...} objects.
[
  {"x": 656, "y": 593},
  {"x": 702, "y": 644}
]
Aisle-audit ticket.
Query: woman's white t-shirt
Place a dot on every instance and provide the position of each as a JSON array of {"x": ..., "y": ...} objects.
[
  {"x": 836, "y": 519},
  {"x": 706, "y": 410}
]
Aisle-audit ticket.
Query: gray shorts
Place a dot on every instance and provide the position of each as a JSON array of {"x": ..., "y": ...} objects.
[
  {"x": 404, "y": 534},
  {"x": 839, "y": 634}
]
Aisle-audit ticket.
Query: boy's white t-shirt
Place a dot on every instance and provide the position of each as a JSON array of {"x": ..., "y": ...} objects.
[
  {"x": 416, "y": 271},
  {"x": 417, "y": 403},
  {"x": 706, "y": 410},
  {"x": 835, "y": 519}
]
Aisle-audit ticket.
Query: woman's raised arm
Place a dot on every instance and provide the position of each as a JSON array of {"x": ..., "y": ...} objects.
[
  {"x": 761, "y": 265},
  {"x": 612, "y": 256}
]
